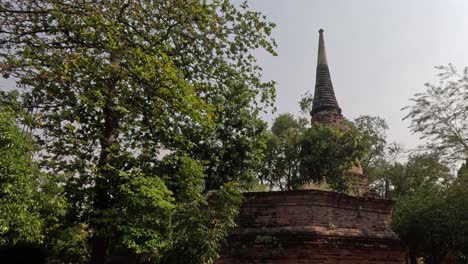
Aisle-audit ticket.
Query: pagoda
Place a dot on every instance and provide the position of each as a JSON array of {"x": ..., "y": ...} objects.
[
  {"x": 312, "y": 226},
  {"x": 325, "y": 108}
]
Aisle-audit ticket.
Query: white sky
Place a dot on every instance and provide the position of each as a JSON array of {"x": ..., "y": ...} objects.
[{"x": 379, "y": 52}]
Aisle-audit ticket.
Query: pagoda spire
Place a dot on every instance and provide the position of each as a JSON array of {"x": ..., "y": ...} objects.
[{"x": 324, "y": 96}]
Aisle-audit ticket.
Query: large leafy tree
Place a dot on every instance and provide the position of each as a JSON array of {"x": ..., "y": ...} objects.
[
  {"x": 440, "y": 113},
  {"x": 116, "y": 85}
]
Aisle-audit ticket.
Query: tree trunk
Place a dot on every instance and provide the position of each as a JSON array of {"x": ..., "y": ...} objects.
[{"x": 102, "y": 198}]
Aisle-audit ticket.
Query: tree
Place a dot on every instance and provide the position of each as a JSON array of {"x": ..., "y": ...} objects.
[
  {"x": 462, "y": 174},
  {"x": 440, "y": 113},
  {"x": 431, "y": 202},
  {"x": 386, "y": 169},
  {"x": 421, "y": 220},
  {"x": 327, "y": 155},
  {"x": 457, "y": 205},
  {"x": 373, "y": 130},
  {"x": 419, "y": 172},
  {"x": 31, "y": 202},
  {"x": 432, "y": 222},
  {"x": 115, "y": 85},
  {"x": 281, "y": 165},
  {"x": 429, "y": 209},
  {"x": 201, "y": 219},
  {"x": 305, "y": 104},
  {"x": 232, "y": 150},
  {"x": 298, "y": 156}
]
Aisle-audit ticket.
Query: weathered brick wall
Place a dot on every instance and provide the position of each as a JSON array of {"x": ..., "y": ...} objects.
[
  {"x": 315, "y": 208},
  {"x": 313, "y": 226}
]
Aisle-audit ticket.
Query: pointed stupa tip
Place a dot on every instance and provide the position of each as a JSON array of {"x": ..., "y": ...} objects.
[
  {"x": 322, "y": 53},
  {"x": 324, "y": 95}
]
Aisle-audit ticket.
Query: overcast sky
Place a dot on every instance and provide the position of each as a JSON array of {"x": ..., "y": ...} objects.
[{"x": 379, "y": 52}]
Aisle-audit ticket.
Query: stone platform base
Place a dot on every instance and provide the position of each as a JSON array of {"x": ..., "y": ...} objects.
[{"x": 312, "y": 226}]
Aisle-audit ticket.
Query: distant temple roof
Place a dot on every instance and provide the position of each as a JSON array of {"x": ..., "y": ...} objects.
[{"x": 324, "y": 96}]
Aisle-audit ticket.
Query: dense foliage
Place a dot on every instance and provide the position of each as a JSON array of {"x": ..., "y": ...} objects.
[
  {"x": 373, "y": 131},
  {"x": 432, "y": 222},
  {"x": 328, "y": 154},
  {"x": 149, "y": 112},
  {"x": 281, "y": 165},
  {"x": 299, "y": 156},
  {"x": 25, "y": 213},
  {"x": 31, "y": 205}
]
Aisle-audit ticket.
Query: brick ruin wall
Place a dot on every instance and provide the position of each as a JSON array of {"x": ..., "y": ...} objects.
[{"x": 312, "y": 226}]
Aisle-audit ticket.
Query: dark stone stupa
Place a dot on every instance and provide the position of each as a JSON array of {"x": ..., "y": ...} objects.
[
  {"x": 324, "y": 96},
  {"x": 325, "y": 108}
]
